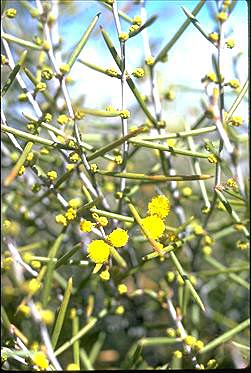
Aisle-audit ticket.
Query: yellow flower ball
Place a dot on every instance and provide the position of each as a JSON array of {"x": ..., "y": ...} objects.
[
  {"x": 52, "y": 175},
  {"x": 86, "y": 226},
  {"x": 33, "y": 286},
  {"x": 159, "y": 206},
  {"x": 120, "y": 310},
  {"x": 74, "y": 203},
  {"x": 105, "y": 275},
  {"x": 154, "y": 226},
  {"x": 171, "y": 332},
  {"x": 178, "y": 354},
  {"x": 71, "y": 214},
  {"x": 40, "y": 360},
  {"x": 98, "y": 251},
  {"x": 47, "y": 316},
  {"x": 24, "y": 309},
  {"x": 122, "y": 288},
  {"x": 118, "y": 237},
  {"x": 61, "y": 219},
  {"x": 190, "y": 341},
  {"x": 72, "y": 366},
  {"x": 187, "y": 191}
]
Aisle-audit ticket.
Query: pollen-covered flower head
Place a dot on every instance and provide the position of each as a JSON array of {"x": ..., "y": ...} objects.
[
  {"x": 118, "y": 237},
  {"x": 159, "y": 206},
  {"x": 40, "y": 360},
  {"x": 154, "y": 226},
  {"x": 98, "y": 251}
]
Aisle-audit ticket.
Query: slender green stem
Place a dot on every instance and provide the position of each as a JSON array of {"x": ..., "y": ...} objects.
[
  {"x": 13, "y": 73},
  {"x": 181, "y": 134},
  {"x": 77, "y": 50},
  {"x": 50, "y": 268},
  {"x": 178, "y": 34},
  {"x": 186, "y": 280},
  {"x": 14, "y": 172},
  {"x": 114, "y": 144},
  {"x": 153, "y": 178},
  {"x": 167, "y": 148},
  {"x": 91, "y": 323},
  {"x": 237, "y": 101},
  {"x": 24, "y": 43},
  {"x": 225, "y": 337},
  {"x": 61, "y": 314},
  {"x": 237, "y": 279},
  {"x": 75, "y": 330}
]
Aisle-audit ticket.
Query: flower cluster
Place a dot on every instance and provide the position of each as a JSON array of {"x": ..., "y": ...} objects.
[
  {"x": 153, "y": 224},
  {"x": 138, "y": 72}
]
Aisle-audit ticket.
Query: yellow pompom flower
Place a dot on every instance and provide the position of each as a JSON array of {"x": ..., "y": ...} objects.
[
  {"x": 63, "y": 119},
  {"x": 103, "y": 221},
  {"x": 86, "y": 226},
  {"x": 120, "y": 310},
  {"x": 138, "y": 72},
  {"x": 52, "y": 175},
  {"x": 190, "y": 341},
  {"x": 27, "y": 257},
  {"x": 36, "y": 264},
  {"x": 123, "y": 36},
  {"x": 118, "y": 237},
  {"x": 64, "y": 68},
  {"x": 137, "y": 20},
  {"x": 122, "y": 288},
  {"x": 171, "y": 142},
  {"x": 149, "y": 60},
  {"x": 6, "y": 263},
  {"x": 214, "y": 36},
  {"x": 40, "y": 360},
  {"x": 47, "y": 316},
  {"x": 11, "y": 13},
  {"x": 72, "y": 366},
  {"x": 178, "y": 354},
  {"x": 198, "y": 230},
  {"x": 232, "y": 183},
  {"x": 154, "y": 226},
  {"x": 187, "y": 191},
  {"x": 170, "y": 276},
  {"x": 71, "y": 214},
  {"x": 24, "y": 309},
  {"x": 235, "y": 121},
  {"x": 21, "y": 171},
  {"x": 70, "y": 167},
  {"x": 207, "y": 250},
  {"x": 230, "y": 43},
  {"x": 211, "y": 77},
  {"x": 234, "y": 83},
  {"x": 105, "y": 275},
  {"x": 74, "y": 157},
  {"x": 199, "y": 345},
  {"x": 222, "y": 16},
  {"x": 125, "y": 114},
  {"x": 159, "y": 206},
  {"x": 33, "y": 286},
  {"x": 212, "y": 158},
  {"x": 74, "y": 203},
  {"x": 98, "y": 251},
  {"x": 61, "y": 219},
  {"x": 41, "y": 87},
  {"x": 171, "y": 332}
]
